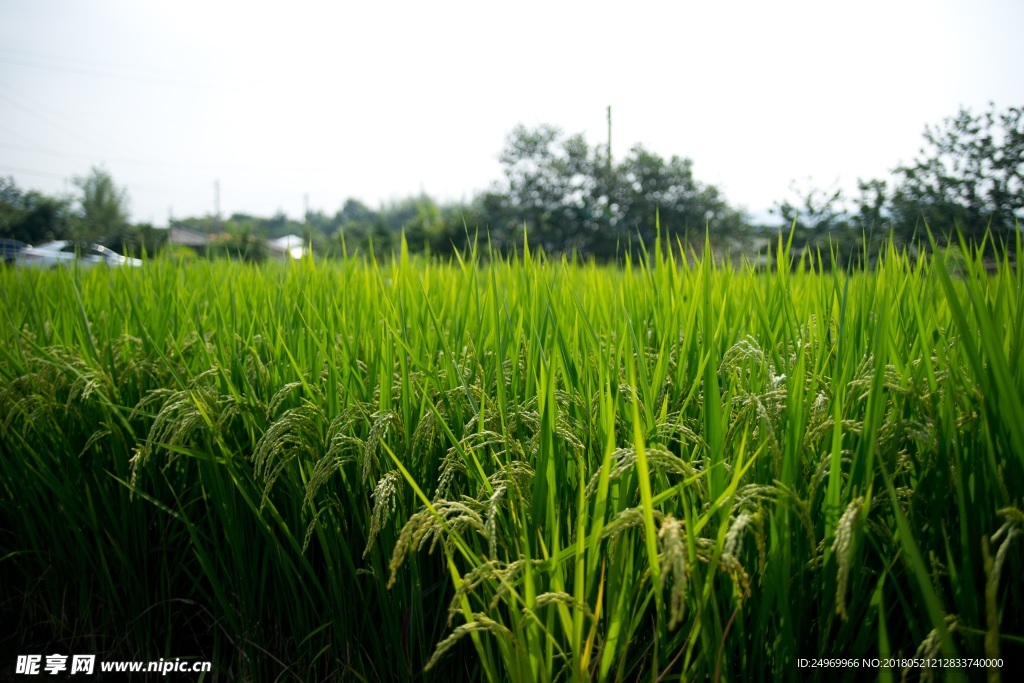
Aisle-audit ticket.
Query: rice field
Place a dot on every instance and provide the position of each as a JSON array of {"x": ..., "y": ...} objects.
[{"x": 521, "y": 469}]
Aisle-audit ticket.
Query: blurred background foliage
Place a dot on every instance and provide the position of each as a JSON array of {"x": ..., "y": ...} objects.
[{"x": 572, "y": 197}]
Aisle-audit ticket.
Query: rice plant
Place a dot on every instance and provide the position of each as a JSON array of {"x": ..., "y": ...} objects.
[{"x": 516, "y": 469}]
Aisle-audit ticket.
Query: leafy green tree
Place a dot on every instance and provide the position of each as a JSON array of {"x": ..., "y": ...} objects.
[
  {"x": 651, "y": 187},
  {"x": 549, "y": 187},
  {"x": 32, "y": 217},
  {"x": 821, "y": 223},
  {"x": 356, "y": 223},
  {"x": 278, "y": 225},
  {"x": 354, "y": 211},
  {"x": 144, "y": 239},
  {"x": 572, "y": 198},
  {"x": 814, "y": 217},
  {"x": 422, "y": 228},
  {"x": 103, "y": 213},
  {"x": 970, "y": 175},
  {"x": 239, "y": 243},
  {"x": 871, "y": 217},
  {"x": 207, "y": 225},
  {"x": 320, "y": 223},
  {"x": 871, "y": 212}
]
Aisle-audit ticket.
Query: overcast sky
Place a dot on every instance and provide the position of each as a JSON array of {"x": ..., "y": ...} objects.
[{"x": 379, "y": 101}]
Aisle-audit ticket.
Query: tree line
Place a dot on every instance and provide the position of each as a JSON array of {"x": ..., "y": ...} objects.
[{"x": 571, "y": 197}]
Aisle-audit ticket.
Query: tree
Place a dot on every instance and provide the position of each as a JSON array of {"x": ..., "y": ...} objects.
[
  {"x": 821, "y": 223},
  {"x": 970, "y": 176},
  {"x": 815, "y": 217},
  {"x": 356, "y": 222},
  {"x": 871, "y": 218},
  {"x": 650, "y": 187},
  {"x": 239, "y": 242},
  {"x": 103, "y": 208},
  {"x": 422, "y": 228},
  {"x": 320, "y": 223},
  {"x": 144, "y": 240},
  {"x": 549, "y": 187},
  {"x": 871, "y": 206},
  {"x": 32, "y": 217},
  {"x": 573, "y": 199},
  {"x": 354, "y": 211}
]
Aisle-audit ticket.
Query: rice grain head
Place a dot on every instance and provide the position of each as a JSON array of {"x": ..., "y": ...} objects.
[
  {"x": 481, "y": 622},
  {"x": 842, "y": 546},
  {"x": 673, "y": 549}
]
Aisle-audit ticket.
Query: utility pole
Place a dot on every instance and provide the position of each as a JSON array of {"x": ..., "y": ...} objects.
[
  {"x": 609, "y": 181},
  {"x": 216, "y": 199},
  {"x": 305, "y": 214},
  {"x": 609, "y": 142}
]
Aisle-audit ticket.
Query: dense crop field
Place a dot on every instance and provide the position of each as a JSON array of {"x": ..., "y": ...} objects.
[{"x": 515, "y": 470}]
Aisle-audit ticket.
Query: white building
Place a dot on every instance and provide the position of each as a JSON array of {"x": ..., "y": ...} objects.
[{"x": 289, "y": 246}]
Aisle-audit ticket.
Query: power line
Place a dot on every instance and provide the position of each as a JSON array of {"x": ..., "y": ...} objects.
[
  {"x": 39, "y": 149},
  {"x": 39, "y": 114},
  {"x": 20, "y": 135},
  {"x": 78, "y": 62},
  {"x": 27, "y": 171},
  {"x": 102, "y": 157},
  {"x": 42, "y": 150},
  {"x": 34, "y": 146},
  {"x": 130, "y": 186},
  {"x": 136, "y": 79},
  {"x": 83, "y": 132},
  {"x": 79, "y": 129}
]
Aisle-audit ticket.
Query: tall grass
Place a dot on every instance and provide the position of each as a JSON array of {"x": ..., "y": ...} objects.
[{"x": 515, "y": 470}]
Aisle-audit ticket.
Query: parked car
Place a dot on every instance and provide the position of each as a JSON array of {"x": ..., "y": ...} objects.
[
  {"x": 9, "y": 250},
  {"x": 65, "y": 252}
]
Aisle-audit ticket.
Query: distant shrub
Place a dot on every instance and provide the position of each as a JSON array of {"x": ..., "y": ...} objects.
[{"x": 239, "y": 246}]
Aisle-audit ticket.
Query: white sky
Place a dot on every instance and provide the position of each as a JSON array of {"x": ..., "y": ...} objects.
[{"x": 277, "y": 100}]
